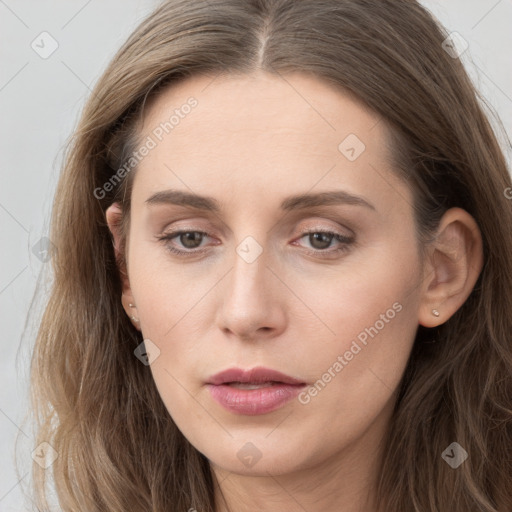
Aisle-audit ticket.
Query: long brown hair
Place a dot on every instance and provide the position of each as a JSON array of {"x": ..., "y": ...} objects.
[{"x": 98, "y": 406}]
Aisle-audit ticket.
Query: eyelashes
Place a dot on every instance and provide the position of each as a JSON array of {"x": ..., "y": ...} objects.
[{"x": 325, "y": 239}]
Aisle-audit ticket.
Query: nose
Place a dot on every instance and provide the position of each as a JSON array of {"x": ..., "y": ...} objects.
[{"x": 252, "y": 304}]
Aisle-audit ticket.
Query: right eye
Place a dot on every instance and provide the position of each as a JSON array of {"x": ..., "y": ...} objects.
[{"x": 189, "y": 241}]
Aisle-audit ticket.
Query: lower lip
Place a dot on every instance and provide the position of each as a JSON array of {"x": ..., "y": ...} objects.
[{"x": 252, "y": 402}]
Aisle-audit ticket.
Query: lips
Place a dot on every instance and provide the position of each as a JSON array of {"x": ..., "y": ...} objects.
[
  {"x": 257, "y": 375},
  {"x": 253, "y": 392}
]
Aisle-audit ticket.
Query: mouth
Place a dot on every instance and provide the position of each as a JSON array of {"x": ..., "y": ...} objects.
[{"x": 253, "y": 392}]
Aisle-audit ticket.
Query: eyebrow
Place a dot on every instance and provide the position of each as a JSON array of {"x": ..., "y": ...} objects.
[{"x": 297, "y": 202}]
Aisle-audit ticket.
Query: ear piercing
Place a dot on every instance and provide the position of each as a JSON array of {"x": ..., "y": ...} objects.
[
  {"x": 133, "y": 317},
  {"x": 435, "y": 312}
]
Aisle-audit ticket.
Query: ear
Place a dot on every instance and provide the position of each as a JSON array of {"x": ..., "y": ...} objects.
[
  {"x": 453, "y": 263},
  {"x": 113, "y": 217}
]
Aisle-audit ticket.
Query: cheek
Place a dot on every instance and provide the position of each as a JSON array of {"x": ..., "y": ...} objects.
[
  {"x": 370, "y": 320},
  {"x": 166, "y": 292},
  {"x": 351, "y": 297},
  {"x": 358, "y": 376}
]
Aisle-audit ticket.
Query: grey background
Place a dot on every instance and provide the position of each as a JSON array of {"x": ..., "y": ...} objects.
[{"x": 40, "y": 101}]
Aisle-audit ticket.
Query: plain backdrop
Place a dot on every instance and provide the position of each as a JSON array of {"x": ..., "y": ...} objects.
[{"x": 40, "y": 101}]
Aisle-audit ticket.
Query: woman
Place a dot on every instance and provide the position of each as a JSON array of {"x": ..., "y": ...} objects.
[{"x": 283, "y": 276}]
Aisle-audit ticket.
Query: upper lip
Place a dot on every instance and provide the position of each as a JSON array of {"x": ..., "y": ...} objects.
[{"x": 254, "y": 376}]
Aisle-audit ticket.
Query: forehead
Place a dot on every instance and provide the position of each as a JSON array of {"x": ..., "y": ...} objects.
[
  {"x": 266, "y": 132},
  {"x": 300, "y": 103}
]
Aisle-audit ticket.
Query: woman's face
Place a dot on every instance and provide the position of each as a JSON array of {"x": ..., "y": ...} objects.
[{"x": 264, "y": 165}]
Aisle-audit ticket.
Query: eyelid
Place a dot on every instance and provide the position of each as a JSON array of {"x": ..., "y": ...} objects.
[
  {"x": 301, "y": 230},
  {"x": 318, "y": 227}
]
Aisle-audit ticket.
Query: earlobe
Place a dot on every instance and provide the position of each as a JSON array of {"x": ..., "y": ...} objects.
[
  {"x": 453, "y": 263},
  {"x": 113, "y": 217}
]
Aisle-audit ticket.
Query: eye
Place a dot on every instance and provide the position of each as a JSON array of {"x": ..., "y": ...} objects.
[
  {"x": 189, "y": 240},
  {"x": 321, "y": 240}
]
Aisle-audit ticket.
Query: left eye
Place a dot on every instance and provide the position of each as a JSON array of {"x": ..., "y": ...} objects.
[
  {"x": 321, "y": 240},
  {"x": 190, "y": 241}
]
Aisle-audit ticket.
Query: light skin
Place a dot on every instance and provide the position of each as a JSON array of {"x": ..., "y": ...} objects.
[{"x": 251, "y": 142}]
